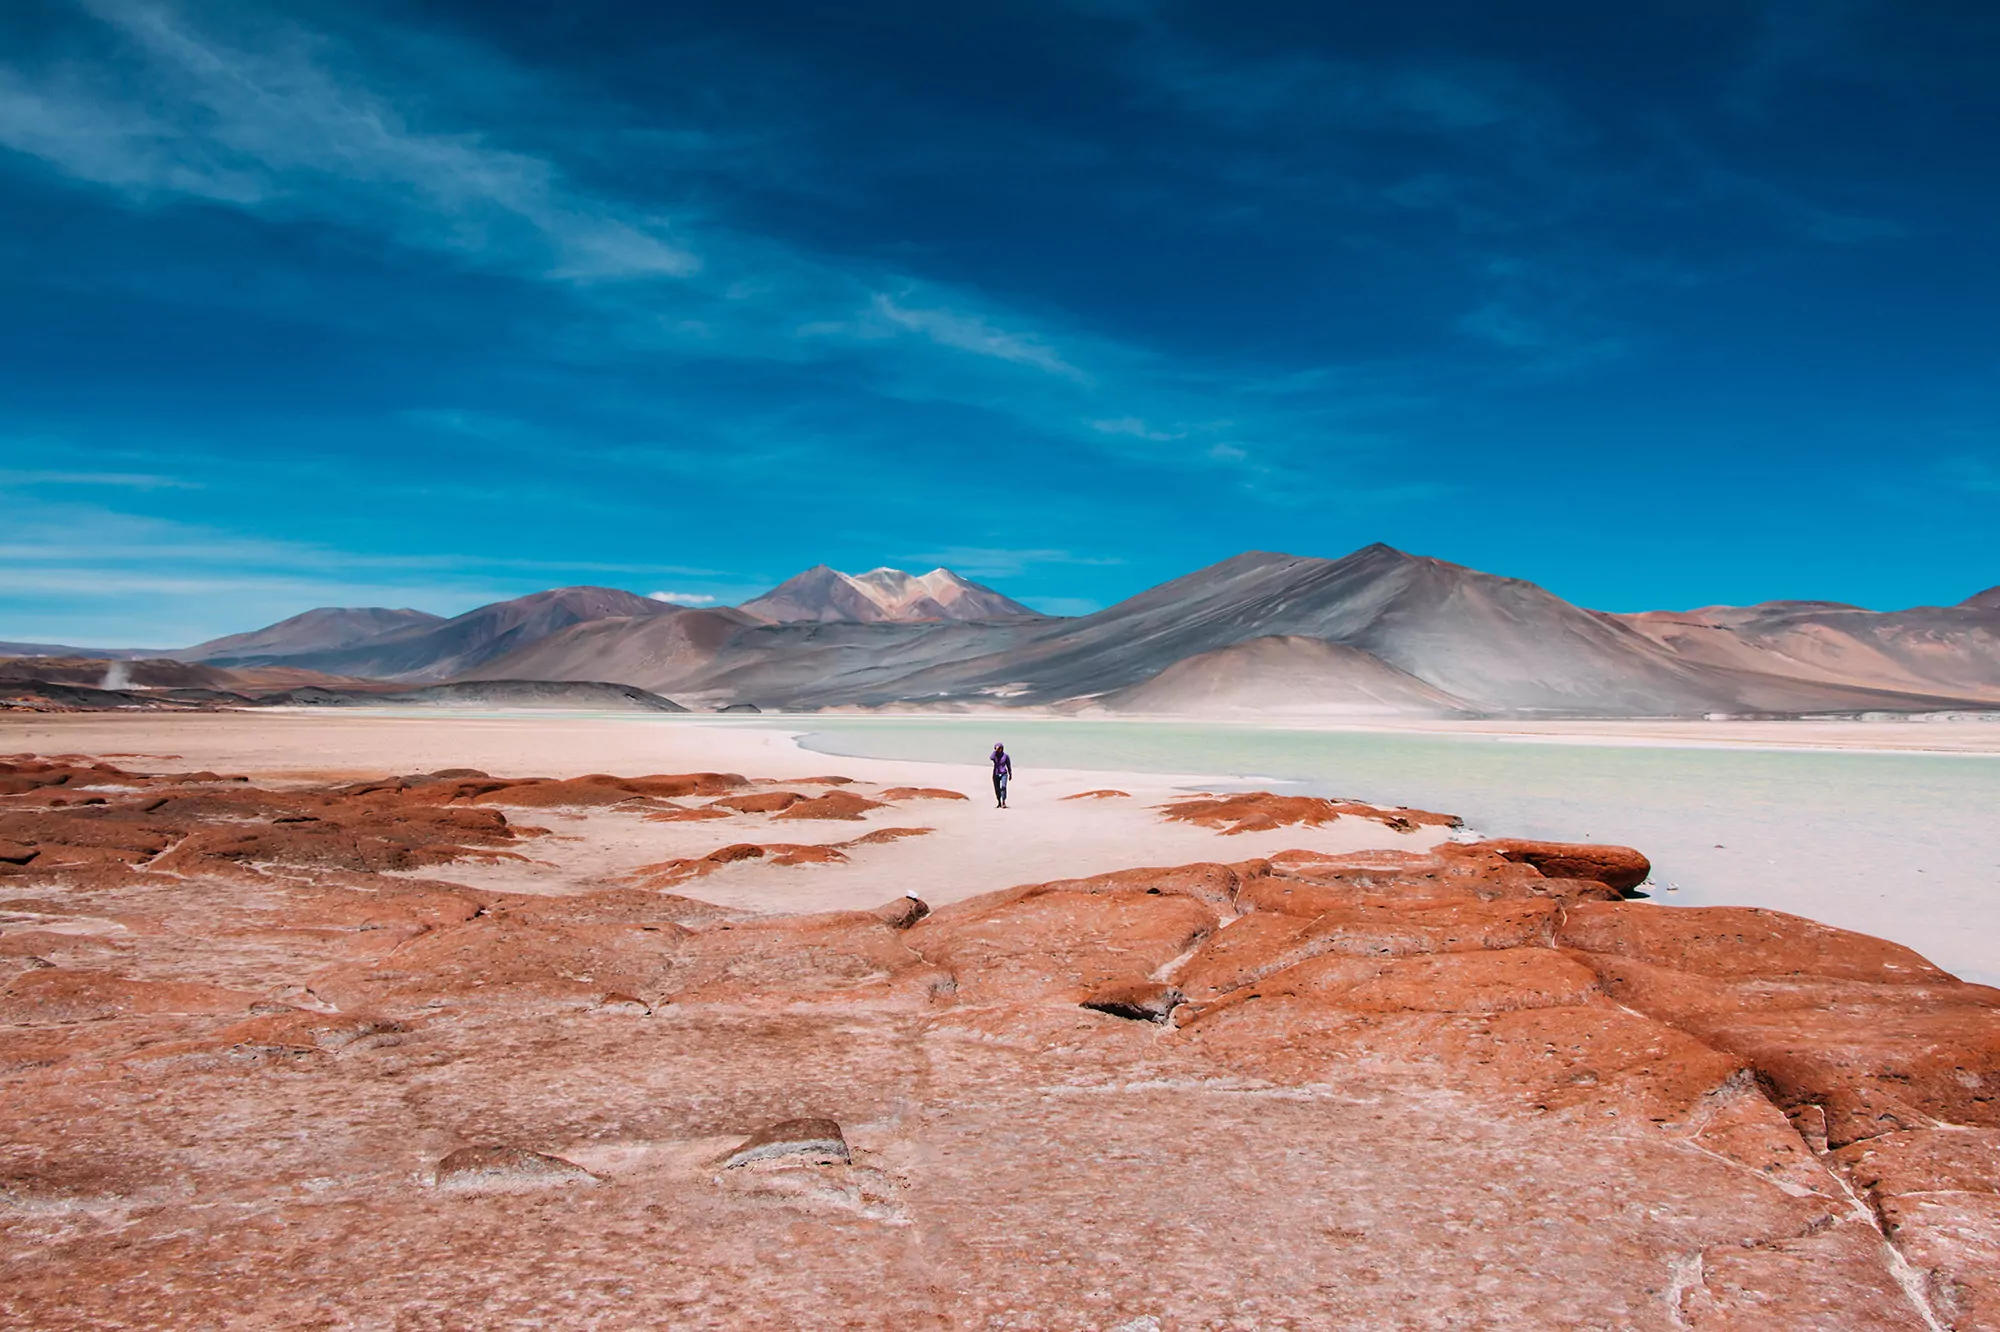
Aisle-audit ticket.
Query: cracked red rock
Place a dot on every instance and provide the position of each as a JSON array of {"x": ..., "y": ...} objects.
[{"x": 243, "y": 1027}]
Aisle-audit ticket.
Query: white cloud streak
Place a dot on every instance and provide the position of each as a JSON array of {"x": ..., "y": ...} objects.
[
  {"x": 972, "y": 333},
  {"x": 1000, "y": 562},
  {"x": 1138, "y": 429},
  {"x": 1970, "y": 474},
  {"x": 216, "y": 104},
  {"x": 154, "y": 580},
  {"x": 121, "y": 480},
  {"x": 273, "y": 131}
]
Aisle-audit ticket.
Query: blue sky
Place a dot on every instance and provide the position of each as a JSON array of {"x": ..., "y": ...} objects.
[{"x": 432, "y": 303}]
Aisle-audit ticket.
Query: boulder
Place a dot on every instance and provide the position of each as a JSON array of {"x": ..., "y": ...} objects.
[
  {"x": 902, "y": 913},
  {"x": 1618, "y": 867},
  {"x": 832, "y": 805},
  {"x": 804, "y": 1141},
  {"x": 758, "y": 802},
  {"x": 1143, "y": 1001},
  {"x": 921, "y": 793},
  {"x": 477, "y": 1169}
]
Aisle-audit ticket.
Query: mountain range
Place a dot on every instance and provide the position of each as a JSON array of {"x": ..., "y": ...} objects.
[
  {"x": 1376, "y": 633},
  {"x": 417, "y": 647}
]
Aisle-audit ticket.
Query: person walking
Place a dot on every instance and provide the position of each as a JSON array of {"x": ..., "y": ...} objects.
[{"x": 1003, "y": 770}]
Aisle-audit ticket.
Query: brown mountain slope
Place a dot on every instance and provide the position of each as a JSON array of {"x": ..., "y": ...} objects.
[
  {"x": 325, "y": 629},
  {"x": 109, "y": 673},
  {"x": 1493, "y": 645},
  {"x": 1283, "y": 676},
  {"x": 657, "y": 652},
  {"x": 1937, "y": 650},
  {"x": 443, "y": 649},
  {"x": 21, "y": 649},
  {"x": 1498, "y": 644}
]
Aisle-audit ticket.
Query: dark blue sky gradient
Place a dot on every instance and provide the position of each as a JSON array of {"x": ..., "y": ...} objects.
[{"x": 1657, "y": 305}]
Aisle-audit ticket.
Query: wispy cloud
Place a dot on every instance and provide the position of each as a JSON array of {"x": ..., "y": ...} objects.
[
  {"x": 119, "y": 480},
  {"x": 282, "y": 122},
  {"x": 1794, "y": 38},
  {"x": 973, "y": 333},
  {"x": 1461, "y": 97},
  {"x": 1138, "y": 429},
  {"x": 1970, "y": 474},
  {"x": 1545, "y": 346},
  {"x": 1000, "y": 562},
  {"x": 65, "y": 567},
  {"x": 683, "y": 598},
  {"x": 1794, "y": 208},
  {"x": 1064, "y": 605},
  {"x": 267, "y": 124}
]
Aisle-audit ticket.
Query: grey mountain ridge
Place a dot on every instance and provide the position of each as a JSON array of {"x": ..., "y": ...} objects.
[
  {"x": 1482, "y": 643},
  {"x": 326, "y": 629},
  {"x": 433, "y": 649},
  {"x": 1375, "y": 632}
]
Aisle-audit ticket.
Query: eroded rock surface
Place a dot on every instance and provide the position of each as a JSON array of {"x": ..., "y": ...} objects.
[
  {"x": 264, "y": 1063},
  {"x": 1260, "y": 811},
  {"x": 816, "y": 1140}
]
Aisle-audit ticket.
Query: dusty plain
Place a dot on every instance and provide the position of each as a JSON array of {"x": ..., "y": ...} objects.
[{"x": 390, "y": 1036}]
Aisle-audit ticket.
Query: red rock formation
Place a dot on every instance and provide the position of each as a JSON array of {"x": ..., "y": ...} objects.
[
  {"x": 921, "y": 793},
  {"x": 1260, "y": 811},
  {"x": 667, "y": 873},
  {"x": 256, "y": 1072},
  {"x": 1617, "y": 867},
  {"x": 1103, "y": 793},
  {"x": 832, "y": 805},
  {"x": 666, "y": 811},
  {"x": 1145, "y": 1001},
  {"x": 498, "y": 1167},
  {"x": 1934, "y": 1191},
  {"x": 819, "y": 1141},
  {"x": 758, "y": 802},
  {"x": 602, "y": 790}
]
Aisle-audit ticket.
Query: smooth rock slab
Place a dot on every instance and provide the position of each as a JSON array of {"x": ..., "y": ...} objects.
[
  {"x": 812, "y": 1138},
  {"x": 473, "y": 1169}
]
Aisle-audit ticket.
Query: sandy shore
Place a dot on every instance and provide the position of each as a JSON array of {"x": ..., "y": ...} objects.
[
  {"x": 1900, "y": 877},
  {"x": 970, "y": 847}
]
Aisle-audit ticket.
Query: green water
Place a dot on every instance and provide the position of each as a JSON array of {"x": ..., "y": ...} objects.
[{"x": 1904, "y": 846}]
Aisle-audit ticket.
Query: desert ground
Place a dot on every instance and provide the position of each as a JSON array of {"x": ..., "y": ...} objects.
[
  {"x": 422, "y": 1022},
  {"x": 971, "y": 848}
]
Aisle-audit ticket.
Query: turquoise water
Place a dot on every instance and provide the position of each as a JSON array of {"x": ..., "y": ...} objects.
[{"x": 1899, "y": 845}]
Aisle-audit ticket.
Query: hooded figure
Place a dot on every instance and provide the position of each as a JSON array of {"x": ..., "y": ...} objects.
[{"x": 1003, "y": 768}]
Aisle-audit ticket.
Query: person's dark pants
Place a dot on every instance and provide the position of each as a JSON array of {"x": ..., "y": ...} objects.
[{"x": 999, "y": 789}]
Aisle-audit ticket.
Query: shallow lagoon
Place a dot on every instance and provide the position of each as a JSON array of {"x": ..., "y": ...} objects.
[{"x": 1901, "y": 845}]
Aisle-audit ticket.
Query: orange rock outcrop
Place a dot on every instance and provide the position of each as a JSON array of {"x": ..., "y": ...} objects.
[
  {"x": 264, "y": 1064},
  {"x": 1260, "y": 811}
]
